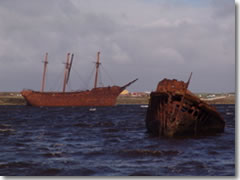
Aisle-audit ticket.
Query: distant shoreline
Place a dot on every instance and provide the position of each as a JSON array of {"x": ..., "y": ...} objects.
[
  {"x": 144, "y": 100},
  {"x": 14, "y": 98}
]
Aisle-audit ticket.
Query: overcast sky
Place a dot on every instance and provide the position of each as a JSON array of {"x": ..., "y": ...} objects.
[{"x": 145, "y": 39}]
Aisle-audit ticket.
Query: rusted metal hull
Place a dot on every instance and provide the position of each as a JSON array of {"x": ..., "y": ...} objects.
[
  {"x": 105, "y": 96},
  {"x": 174, "y": 111}
]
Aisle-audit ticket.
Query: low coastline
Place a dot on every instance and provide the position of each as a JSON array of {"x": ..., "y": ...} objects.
[{"x": 15, "y": 98}]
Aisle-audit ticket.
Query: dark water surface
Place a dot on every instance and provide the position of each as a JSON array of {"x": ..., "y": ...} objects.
[{"x": 112, "y": 141}]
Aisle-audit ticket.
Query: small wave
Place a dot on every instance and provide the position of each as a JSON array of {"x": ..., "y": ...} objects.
[
  {"x": 2, "y": 126},
  {"x": 57, "y": 145},
  {"x": 111, "y": 130},
  {"x": 104, "y": 124},
  {"x": 86, "y": 172},
  {"x": 48, "y": 172},
  {"x": 95, "y": 153},
  {"x": 140, "y": 173},
  {"x": 82, "y": 125},
  {"x": 19, "y": 144},
  {"x": 114, "y": 139},
  {"x": 150, "y": 152},
  {"x": 143, "y": 152},
  {"x": 192, "y": 164},
  {"x": 80, "y": 171},
  {"x": 213, "y": 152},
  {"x": 43, "y": 149},
  {"x": 189, "y": 168},
  {"x": 13, "y": 165},
  {"x": 53, "y": 154},
  {"x": 6, "y": 130},
  {"x": 171, "y": 153}
]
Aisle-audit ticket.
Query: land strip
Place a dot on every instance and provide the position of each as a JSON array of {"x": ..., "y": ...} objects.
[{"x": 15, "y": 98}]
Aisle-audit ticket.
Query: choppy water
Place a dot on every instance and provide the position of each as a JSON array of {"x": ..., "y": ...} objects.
[{"x": 112, "y": 141}]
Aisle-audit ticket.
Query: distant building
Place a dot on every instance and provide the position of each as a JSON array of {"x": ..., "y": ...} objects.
[
  {"x": 139, "y": 94},
  {"x": 211, "y": 96},
  {"x": 124, "y": 92},
  {"x": 134, "y": 94}
]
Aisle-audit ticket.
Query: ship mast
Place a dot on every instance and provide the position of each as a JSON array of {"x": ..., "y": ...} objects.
[
  {"x": 66, "y": 72},
  {"x": 97, "y": 67},
  {"x": 70, "y": 67},
  {"x": 44, "y": 72}
]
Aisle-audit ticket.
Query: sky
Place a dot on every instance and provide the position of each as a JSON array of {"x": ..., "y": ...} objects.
[{"x": 145, "y": 39}]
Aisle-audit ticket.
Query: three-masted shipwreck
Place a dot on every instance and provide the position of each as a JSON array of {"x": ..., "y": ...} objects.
[
  {"x": 98, "y": 96},
  {"x": 175, "y": 111}
]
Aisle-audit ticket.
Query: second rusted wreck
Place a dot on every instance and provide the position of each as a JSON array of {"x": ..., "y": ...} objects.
[{"x": 175, "y": 111}]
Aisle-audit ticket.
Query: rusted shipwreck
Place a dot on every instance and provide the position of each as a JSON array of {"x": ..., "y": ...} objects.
[
  {"x": 98, "y": 96},
  {"x": 175, "y": 111}
]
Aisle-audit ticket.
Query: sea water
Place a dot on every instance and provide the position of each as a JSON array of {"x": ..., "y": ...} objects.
[{"x": 109, "y": 141}]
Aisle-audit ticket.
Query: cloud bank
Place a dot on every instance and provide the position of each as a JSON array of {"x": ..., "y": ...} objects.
[{"x": 150, "y": 40}]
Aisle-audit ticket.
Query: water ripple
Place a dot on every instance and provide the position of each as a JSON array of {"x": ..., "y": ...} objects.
[{"x": 112, "y": 141}]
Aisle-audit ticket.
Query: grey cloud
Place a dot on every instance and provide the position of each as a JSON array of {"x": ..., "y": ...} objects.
[
  {"x": 136, "y": 39},
  {"x": 223, "y": 8}
]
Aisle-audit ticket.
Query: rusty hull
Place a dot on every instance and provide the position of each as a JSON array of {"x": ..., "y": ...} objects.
[
  {"x": 105, "y": 96},
  {"x": 101, "y": 96},
  {"x": 175, "y": 111}
]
